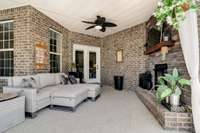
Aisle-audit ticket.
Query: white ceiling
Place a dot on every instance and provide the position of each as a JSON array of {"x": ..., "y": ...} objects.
[{"x": 70, "y": 13}]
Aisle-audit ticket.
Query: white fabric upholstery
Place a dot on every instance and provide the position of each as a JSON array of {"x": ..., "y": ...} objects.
[
  {"x": 69, "y": 96},
  {"x": 52, "y": 93},
  {"x": 69, "y": 91},
  {"x": 17, "y": 81},
  {"x": 93, "y": 89},
  {"x": 46, "y": 79}
]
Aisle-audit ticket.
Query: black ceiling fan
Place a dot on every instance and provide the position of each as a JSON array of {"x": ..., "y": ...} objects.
[{"x": 99, "y": 24}]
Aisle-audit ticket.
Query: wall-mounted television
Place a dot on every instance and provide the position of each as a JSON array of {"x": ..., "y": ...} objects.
[{"x": 153, "y": 37}]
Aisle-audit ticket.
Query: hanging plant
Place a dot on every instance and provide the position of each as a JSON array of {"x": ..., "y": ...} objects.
[{"x": 173, "y": 11}]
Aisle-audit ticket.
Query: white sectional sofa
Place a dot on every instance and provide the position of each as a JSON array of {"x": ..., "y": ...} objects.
[{"x": 49, "y": 91}]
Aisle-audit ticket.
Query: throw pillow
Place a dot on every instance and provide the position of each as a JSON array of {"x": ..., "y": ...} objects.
[
  {"x": 72, "y": 79},
  {"x": 64, "y": 80},
  {"x": 34, "y": 84},
  {"x": 26, "y": 83}
]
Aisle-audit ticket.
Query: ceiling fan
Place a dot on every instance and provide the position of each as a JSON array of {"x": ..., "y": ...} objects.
[{"x": 100, "y": 24}]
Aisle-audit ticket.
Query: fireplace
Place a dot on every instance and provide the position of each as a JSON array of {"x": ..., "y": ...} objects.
[
  {"x": 145, "y": 80},
  {"x": 160, "y": 70}
]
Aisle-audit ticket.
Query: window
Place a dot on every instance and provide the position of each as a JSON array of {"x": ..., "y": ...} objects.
[
  {"x": 55, "y": 51},
  {"x": 6, "y": 48}
]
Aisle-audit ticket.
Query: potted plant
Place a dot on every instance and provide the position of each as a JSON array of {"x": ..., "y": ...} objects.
[
  {"x": 173, "y": 11},
  {"x": 170, "y": 85}
]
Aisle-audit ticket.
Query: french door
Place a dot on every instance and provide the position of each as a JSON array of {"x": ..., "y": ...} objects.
[{"x": 87, "y": 60}]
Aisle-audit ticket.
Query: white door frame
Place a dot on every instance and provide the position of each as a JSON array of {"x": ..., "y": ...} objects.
[{"x": 86, "y": 49}]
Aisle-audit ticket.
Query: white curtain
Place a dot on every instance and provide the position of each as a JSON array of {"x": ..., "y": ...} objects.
[{"x": 190, "y": 46}]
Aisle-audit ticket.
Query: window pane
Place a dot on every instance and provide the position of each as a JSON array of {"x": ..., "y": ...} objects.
[
  {"x": 1, "y": 36},
  {"x": 11, "y": 35},
  {"x": 11, "y": 26},
  {"x": 1, "y": 71},
  {"x": 6, "y": 26},
  {"x": 6, "y": 63},
  {"x": 1, "y": 63},
  {"x": 1, "y": 44},
  {"x": 6, "y": 44},
  {"x": 54, "y": 63},
  {"x": 6, "y": 35},
  {"x": 11, "y": 44},
  {"x": 1, "y": 27}
]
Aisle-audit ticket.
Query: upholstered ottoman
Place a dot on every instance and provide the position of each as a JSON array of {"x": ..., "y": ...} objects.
[
  {"x": 94, "y": 90},
  {"x": 69, "y": 96}
]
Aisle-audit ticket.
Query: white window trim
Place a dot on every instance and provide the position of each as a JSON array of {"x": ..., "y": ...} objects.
[
  {"x": 60, "y": 53},
  {"x": 9, "y": 49},
  {"x": 6, "y": 21}
]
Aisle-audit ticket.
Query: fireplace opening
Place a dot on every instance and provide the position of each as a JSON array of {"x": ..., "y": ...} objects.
[
  {"x": 145, "y": 80},
  {"x": 160, "y": 70}
]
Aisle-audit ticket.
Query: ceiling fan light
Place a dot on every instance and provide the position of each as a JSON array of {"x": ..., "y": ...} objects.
[{"x": 98, "y": 27}]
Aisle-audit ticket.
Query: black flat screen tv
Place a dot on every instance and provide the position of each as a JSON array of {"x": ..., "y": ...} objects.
[{"x": 153, "y": 37}]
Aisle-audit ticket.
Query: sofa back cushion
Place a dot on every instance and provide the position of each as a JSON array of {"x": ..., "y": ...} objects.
[
  {"x": 46, "y": 79},
  {"x": 17, "y": 81},
  {"x": 59, "y": 77}
]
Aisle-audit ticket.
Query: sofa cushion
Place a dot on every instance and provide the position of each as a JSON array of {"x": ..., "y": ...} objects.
[
  {"x": 46, "y": 92},
  {"x": 64, "y": 80},
  {"x": 72, "y": 79},
  {"x": 69, "y": 91},
  {"x": 26, "y": 83},
  {"x": 18, "y": 80},
  {"x": 90, "y": 87},
  {"x": 46, "y": 79},
  {"x": 58, "y": 77}
]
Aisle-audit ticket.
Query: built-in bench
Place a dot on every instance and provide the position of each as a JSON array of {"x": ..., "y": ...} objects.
[{"x": 167, "y": 119}]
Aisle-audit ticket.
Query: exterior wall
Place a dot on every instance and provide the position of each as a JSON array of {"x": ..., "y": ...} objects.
[
  {"x": 30, "y": 27},
  {"x": 132, "y": 42},
  {"x": 23, "y": 60},
  {"x": 39, "y": 28}
]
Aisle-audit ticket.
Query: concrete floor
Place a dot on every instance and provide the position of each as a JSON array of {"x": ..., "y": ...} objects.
[{"x": 113, "y": 112}]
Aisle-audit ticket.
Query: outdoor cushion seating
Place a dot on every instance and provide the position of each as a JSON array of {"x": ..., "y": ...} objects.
[{"x": 48, "y": 91}]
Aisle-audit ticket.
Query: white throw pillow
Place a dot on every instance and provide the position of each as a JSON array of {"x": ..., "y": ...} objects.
[{"x": 26, "y": 83}]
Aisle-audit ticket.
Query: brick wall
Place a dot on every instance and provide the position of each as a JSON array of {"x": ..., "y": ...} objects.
[
  {"x": 22, "y": 50},
  {"x": 132, "y": 42},
  {"x": 40, "y": 25},
  {"x": 30, "y": 27},
  {"x": 174, "y": 59}
]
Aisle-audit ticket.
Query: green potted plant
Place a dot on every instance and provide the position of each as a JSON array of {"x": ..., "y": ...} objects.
[
  {"x": 170, "y": 85},
  {"x": 173, "y": 11}
]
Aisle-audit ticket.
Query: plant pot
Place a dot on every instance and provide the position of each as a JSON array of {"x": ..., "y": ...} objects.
[
  {"x": 185, "y": 7},
  {"x": 167, "y": 100},
  {"x": 174, "y": 100},
  {"x": 73, "y": 69}
]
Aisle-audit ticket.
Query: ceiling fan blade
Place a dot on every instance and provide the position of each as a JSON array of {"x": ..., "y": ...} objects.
[
  {"x": 103, "y": 29},
  {"x": 87, "y": 22},
  {"x": 108, "y": 24},
  {"x": 90, "y": 27}
]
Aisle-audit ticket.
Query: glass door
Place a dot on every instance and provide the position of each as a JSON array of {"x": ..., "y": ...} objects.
[
  {"x": 79, "y": 60},
  {"x": 87, "y": 59},
  {"x": 92, "y": 65}
]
